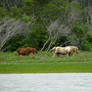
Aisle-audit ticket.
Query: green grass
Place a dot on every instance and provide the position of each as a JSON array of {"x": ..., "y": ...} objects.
[
  {"x": 44, "y": 57},
  {"x": 46, "y": 68},
  {"x": 45, "y": 63}
]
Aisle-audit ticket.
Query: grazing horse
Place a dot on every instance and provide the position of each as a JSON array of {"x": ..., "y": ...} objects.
[
  {"x": 64, "y": 50},
  {"x": 26, "y": 51},
  {"x": 60, "y": 50},
  {"x": 73, "y": 48}
]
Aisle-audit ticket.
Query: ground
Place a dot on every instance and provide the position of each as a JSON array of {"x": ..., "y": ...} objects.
[{"x": 43, "y": 62}]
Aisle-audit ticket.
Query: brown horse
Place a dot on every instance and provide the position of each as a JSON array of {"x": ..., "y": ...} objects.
[{"x": 26, "y": 51}]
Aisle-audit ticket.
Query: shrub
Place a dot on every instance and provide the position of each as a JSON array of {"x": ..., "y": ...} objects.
[
  {"x": 13, "y": 43},
  {"x": 84, "y": 36},
  {"x": 15, "y": 12},
  {"x": 26, "y": 18},
  {"x": 33, "y": 39},
  {"x": 78, "y": 30},
  {"x": 2, "y": 13},
  {"x": 62, "y": 41},
  {"x": 36, "y": 38},
  {"x": 86, "y": 46}
]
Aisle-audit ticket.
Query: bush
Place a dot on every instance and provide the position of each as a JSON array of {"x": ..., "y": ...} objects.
[
  {"x": 25, "y": 18},
  {"x": 78, "y": 30},
  {"x": 2, "y": 13},
  {"x": 14, "y": 43},
  {"x": 86, "y": 46},
  {"x": 15, "y": 13},
  {"x": 34, "y": 39},
  {"x": 84, "y": 36},
  {"x": 62, "y": 41}
]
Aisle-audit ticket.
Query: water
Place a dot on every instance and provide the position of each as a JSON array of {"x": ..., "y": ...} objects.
[{"x": 55, "y": 82}]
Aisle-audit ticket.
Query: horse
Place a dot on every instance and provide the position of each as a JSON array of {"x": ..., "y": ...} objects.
[
  {"x": 60, "y": 50},
  {"x": 21, "y": 51},
  {"x": 64, "y": 50},
  {"x": 26, "y": 51},
  {"x": 73, "y": 48}
]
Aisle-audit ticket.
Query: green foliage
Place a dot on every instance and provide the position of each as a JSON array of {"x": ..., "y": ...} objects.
[
  {"x": 35, "y": 38},
  {"x": 15, "y": 42},
  {"x": 2, "y": 13},
  {"x": 25, "y": 18},
  {"x": 86, "y": 46},
  {"x": 33, "y": 6},
  {"x": 28, "y": 7},
  {"x": 61, "y": 41},
  {"x": 55, "y": 8},
  {"x": 78, "y": 30},
  {"x": 16, "y": 12},
  {"x": 42, "y": 2},
  {"x": 41, "y": 13},
  {"x": 75, "y": 5},
  {"x": 83, "y": 35},
  {"x": 89, "y": 37}
]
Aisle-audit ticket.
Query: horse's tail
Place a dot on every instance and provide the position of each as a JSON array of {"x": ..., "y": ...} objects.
[{"x": 53, "y": 49}]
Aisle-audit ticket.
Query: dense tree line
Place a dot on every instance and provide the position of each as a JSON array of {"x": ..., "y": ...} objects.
[{"x": 50, "y": 23}]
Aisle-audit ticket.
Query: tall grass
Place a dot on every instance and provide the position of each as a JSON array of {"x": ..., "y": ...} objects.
[{"x": 44, "y": 57}]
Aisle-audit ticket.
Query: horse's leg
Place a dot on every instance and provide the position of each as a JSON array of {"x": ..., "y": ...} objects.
[
  {"x": 76, "y": 51},
  {"x": 68, "y": 54},
  {"x": 27, "y": 54},
  {"x": 54, "y": 55},
  {"x": 33, "y": 52},
  {"x": 58, "y": 54},
  {"x": 18, "y": 54}
]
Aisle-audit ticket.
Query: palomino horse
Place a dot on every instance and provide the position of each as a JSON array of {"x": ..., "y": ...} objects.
[
  {"x": 73, "y": 48},
  {"x": 26, "y": 51},
  {"x": 64, "y": 50},
  {"x": 59, "y": 50}
]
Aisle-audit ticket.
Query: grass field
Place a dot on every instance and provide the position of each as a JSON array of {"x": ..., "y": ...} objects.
[{"x": 45, "y": 63}]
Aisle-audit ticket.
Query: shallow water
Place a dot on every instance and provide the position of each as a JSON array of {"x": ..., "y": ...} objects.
[{"x": 55, "y": 82}]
